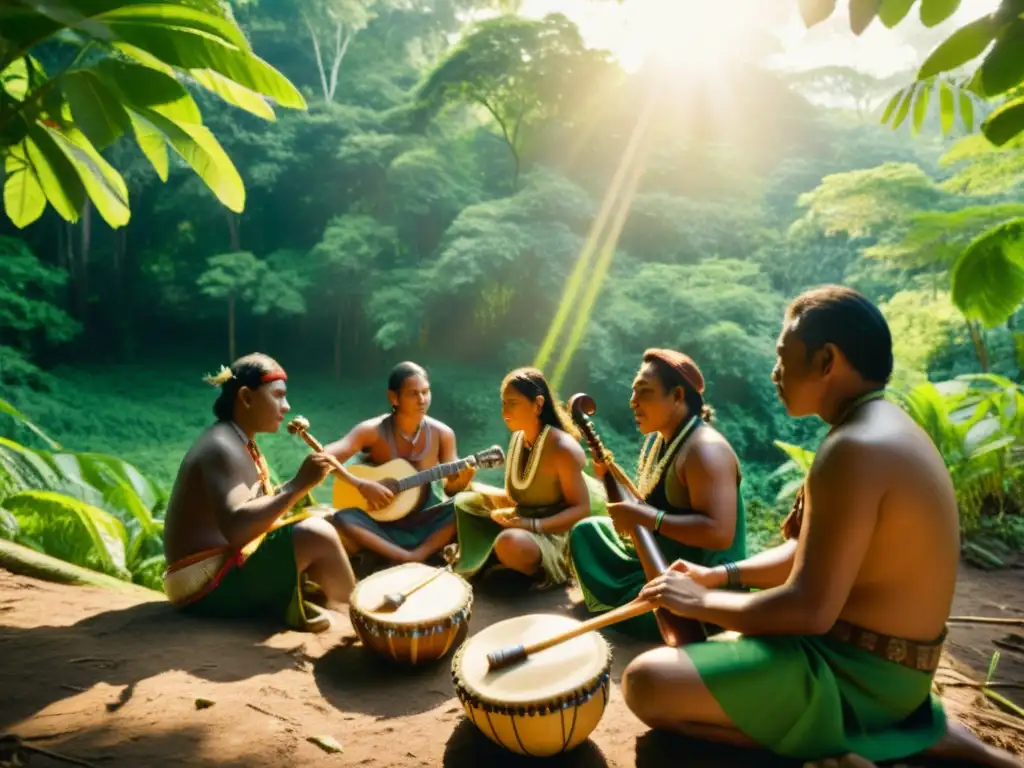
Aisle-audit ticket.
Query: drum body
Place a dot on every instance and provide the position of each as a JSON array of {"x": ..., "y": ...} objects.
[
  {"x": 427, "y": 626},
  {"x": 546, "y": 704}
]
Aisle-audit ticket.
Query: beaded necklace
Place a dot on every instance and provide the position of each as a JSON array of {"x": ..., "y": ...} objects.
[{"x": 257, "y": 457}]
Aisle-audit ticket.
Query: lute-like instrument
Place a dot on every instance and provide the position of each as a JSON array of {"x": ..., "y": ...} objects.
[
  {"x": 405, "y": 482},
  {"x": 675, "y": 630}
]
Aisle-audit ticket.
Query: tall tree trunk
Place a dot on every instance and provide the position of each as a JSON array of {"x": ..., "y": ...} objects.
[
  {"x": 231, "y": 329},
  {"x": 234, "y": 225},
  {"x": 339, "y": 325},
  {"x": 979, "y": 345},
  {"x": 83, "y": 276}
]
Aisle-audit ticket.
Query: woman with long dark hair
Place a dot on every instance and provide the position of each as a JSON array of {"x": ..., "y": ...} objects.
[{"x": 525, "y": 526}]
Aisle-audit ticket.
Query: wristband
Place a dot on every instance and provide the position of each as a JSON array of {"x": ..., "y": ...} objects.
[
  {"x": 732, "y": 576},
  {"x": 657, "y": 520}
]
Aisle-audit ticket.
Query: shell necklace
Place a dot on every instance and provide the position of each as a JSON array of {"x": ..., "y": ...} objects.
[
  {"x": 648, "y": 473},
  {"x": 523, "y": 479}
]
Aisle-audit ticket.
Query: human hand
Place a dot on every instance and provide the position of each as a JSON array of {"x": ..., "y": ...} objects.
[
  {"x": 314, "y": 468},
  {"x": 507, "y": 517},
  {"x": 626, "y": 515},
  {"x": 458, "y": 482},
  {"x": 712, "y": 578},
  {"x": 675, "y": 592},
  {"x": 377, "y": 496},
  {"x": 600, "y": 468}
]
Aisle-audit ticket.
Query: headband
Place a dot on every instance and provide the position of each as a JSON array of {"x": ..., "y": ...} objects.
[{"x": 225, "y": 375}]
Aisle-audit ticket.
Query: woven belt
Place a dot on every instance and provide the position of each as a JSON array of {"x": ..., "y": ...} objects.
[{"x": 924, "y": 657}]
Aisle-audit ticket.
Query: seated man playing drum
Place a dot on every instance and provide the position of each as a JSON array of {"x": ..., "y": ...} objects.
[
  {"x": 525, "y": 526},
  {"x": 689, "y": 480},
  {"x": 408, "y": 433},
  {"x": 232, "y": 552},
  {"x": 840, "y": 643}
]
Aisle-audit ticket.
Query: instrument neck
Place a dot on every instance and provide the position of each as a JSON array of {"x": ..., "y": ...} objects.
[{"x": 434, "y": 473}]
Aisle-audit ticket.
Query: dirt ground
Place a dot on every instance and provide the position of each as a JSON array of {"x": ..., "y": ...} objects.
[{"x": 114, "y": 681}]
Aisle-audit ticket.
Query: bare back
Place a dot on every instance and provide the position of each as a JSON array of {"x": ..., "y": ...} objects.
[
  {"x": 191, "y": 523},
  {"x": 906, "y": 580}
]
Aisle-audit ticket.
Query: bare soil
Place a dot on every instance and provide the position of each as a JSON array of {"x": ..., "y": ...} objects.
[{"x": 115, "y": 681}]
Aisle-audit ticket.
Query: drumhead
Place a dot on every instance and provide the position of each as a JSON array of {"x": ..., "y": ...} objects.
[
  {"x": 544, "y": 675},
  {"x": 441, "y": 598}
]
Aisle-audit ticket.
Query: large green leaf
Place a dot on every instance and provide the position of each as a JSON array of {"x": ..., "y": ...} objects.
[
  {"x": 105, "y": 186},
  {"x": 1003, "y": 68},
  {"x": 921, "y": 106},
  {"x": 22, "y": 469},
  {"x": 156, "y": 89},
  {"x": 816, "y": 11},
  {"x": 801, "y": 457},
  {"x": 967, "y": 43},
  {"x": 862, "y": 13},
  {"x": 233, "y": 93},
  {"x": 892, "y": 12},
  {"x": 173, "y": 16},
  {"x": 94, "y": 107},
  {"x": 987, "y": 280},
  {"x": 9, "y": 410},
  {"x": 947, "y": 107},
  {"x": 56, "y": 173},
  {"x": 180, "y": 48},
  {"x": 1006, "y": 123},
  {"x": 152, "y": 144},
  {"x": 24, "y": 200},
  {"x": 198, "y": 147},
  {"x": 934, "y": 12},
  {"x": 71, "y": 530},
  {"x": 967, "y": 110}
]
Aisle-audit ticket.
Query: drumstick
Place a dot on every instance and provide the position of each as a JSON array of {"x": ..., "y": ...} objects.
[
  {"x": 298, "y": 426},
  {"x": 394, "y": 601},
  {"x": 505, "y": 657}
]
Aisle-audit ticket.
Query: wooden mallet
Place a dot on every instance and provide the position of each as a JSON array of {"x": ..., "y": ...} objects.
[{"x": 513, "y": 654}]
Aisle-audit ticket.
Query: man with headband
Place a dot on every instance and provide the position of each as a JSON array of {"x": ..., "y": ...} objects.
[
  {"x": 689, "y": 480},
  {"x": 841, "y": 639},
  {"x": 234, "y": 550}
]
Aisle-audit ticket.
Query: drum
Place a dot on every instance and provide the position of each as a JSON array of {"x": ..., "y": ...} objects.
[
  {"x": 546, "y": 704},
  {"x": 425, "y": 627}
]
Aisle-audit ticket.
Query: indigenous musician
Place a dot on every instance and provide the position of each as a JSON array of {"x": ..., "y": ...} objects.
[
  {"x": 526, "y": 525},
  {"x": 689, "y": 480},
  {"x": 408, "y": 433},
  {"x": 224, "y": 562},
  {"x": 840, "y": 642}
]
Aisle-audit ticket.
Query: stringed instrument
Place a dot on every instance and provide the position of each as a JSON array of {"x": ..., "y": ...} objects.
[
  {"x": 405, "y": 481},
  {"x": 675, "y": 630}
]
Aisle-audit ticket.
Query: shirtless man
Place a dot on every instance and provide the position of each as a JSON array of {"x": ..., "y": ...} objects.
[
  {"x": 407, "y": 432},
  {"x": 222, "y": 502},
  {"x": 840, "y": 643}
]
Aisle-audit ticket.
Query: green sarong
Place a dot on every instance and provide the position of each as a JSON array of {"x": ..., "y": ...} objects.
[
  {"x": 809, "y": 698},
  {"x": 610, "y": 574},
  {"x": 477, "y": 533},
  {"x": 266, "y": 585}
]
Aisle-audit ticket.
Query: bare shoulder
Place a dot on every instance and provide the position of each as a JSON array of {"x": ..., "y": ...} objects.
[
  {"x": 440, "y": 426},
  {"x": 567, "y": 449},
  {"x": 219, "y": 445},
  {"x": 708, "y": 450}
]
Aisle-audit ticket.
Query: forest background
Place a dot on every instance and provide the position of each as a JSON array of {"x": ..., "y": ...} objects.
[{"x": 456, "y": 161}]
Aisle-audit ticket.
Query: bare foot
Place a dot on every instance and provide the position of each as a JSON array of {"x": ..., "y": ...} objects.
[
  {"x": 846, "y": 761},
  {"x": 963, "y": 746}
]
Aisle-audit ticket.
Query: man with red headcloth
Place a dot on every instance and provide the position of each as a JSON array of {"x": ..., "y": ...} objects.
[
  {"x": 232, "y": 549},
  {"x": 689, "y": 480}
]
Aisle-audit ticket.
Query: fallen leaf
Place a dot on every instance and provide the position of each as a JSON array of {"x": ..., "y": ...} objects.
[
  {"x": 204, "y": 703},
  {"x": 326, "y": 743}
]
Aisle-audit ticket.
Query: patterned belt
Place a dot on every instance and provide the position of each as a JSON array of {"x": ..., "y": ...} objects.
[{"x": 924, "y": 657}]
